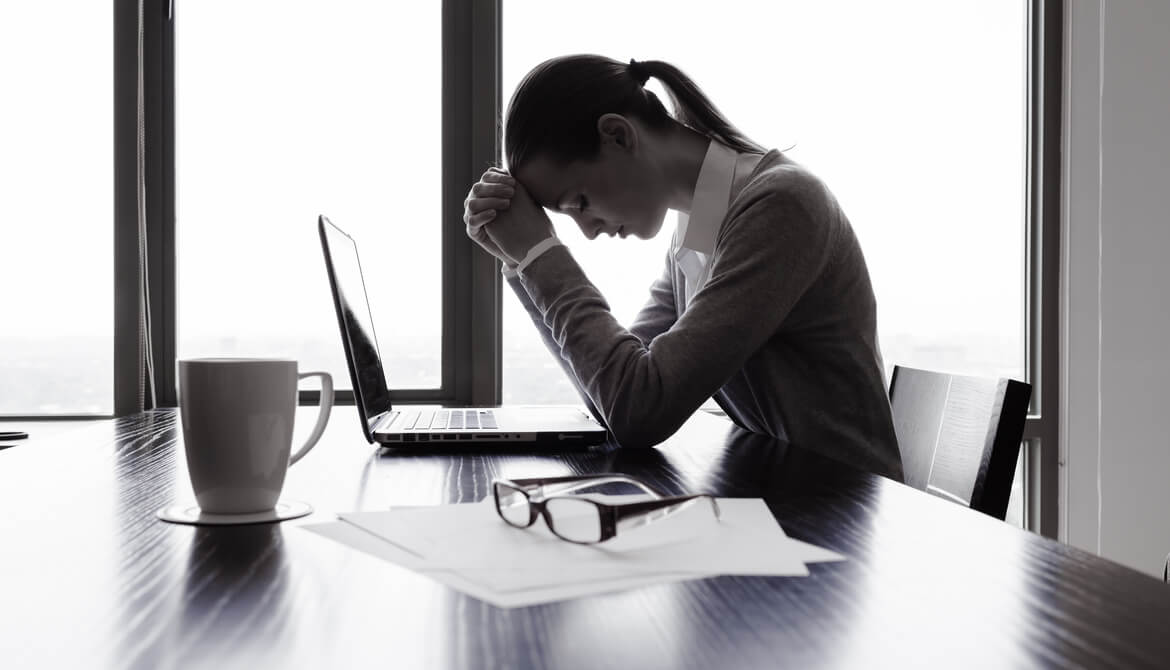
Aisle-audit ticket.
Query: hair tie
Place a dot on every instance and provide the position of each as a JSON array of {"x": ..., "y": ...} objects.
[{"x": 638, "y": 72}]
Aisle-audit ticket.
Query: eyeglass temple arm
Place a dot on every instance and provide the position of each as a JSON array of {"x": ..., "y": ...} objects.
[
  {"x": 633, "y": 515},
  {"x": 556, "y": 485}
]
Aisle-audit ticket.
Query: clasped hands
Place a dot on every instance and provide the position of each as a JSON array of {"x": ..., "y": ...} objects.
[{"x": 503, "y": 218}]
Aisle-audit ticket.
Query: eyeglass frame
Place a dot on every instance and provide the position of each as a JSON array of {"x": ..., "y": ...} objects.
[{"x": 609, "y": 514}]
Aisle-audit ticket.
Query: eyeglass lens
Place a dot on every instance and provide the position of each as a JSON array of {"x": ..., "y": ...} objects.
[
  {"x": 513, "y": 505},
  {"x": 574, "y": 519}
]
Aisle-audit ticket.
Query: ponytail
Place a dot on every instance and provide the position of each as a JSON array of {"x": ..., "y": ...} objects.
[
  {"x": 692, "y": 107},
  {"x": 555, "y": 108}
]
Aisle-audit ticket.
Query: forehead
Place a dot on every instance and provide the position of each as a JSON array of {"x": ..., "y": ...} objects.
[{"x": 547, "y": 180}]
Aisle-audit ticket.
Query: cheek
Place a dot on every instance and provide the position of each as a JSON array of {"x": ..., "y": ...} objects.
[
  {"x": 635, "y": 201},
  {"x": 645, "y": 210},
  {"x": 621, "y": 191},
  {"x": 639, "y": 215},
  {"x": 627, "y": 197}
]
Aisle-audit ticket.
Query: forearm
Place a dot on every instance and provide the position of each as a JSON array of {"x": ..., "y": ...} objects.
[
  {"x": 549, "y": 343},
  {"x": 643, "y": 394}
]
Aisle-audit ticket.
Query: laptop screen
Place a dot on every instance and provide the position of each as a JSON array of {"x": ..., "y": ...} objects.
[{"x": 355, "y": 320}]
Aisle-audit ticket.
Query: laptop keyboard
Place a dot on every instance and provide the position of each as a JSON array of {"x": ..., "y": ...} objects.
[{"x": 459, "y": 419}]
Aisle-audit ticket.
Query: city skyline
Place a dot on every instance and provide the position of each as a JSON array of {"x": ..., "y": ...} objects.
[{"x": 75, "y": 374}]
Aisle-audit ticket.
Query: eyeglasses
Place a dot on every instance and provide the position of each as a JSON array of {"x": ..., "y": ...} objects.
[{"x": 583, "y": 520}]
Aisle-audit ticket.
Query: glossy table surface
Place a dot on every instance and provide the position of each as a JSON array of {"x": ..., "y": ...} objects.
[{"x": 90, "y": 578}]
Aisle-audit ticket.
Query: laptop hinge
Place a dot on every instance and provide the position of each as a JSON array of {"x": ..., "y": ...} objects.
[{"x": 376, "y": 421}]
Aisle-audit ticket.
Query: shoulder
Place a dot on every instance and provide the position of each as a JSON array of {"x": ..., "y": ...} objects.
[
  {"x": 783, "y": 199},
  {"x": 779, "y": 181}
]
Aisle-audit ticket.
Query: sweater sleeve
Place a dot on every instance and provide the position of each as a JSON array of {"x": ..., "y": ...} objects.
[
  {"x": 770, "y": 249},
  {"x": 546, "y": 337},
  {"x": 655, "y": 317}
]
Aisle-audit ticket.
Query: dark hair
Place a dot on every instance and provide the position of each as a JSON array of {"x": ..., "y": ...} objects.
[{"x": 555, "y": 108}]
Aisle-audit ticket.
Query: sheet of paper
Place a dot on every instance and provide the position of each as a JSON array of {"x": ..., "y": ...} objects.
[
  {"x": 810, "y": 553},
  {"x": 746, "y": 541},
  {"x": 363, "y": 541},
  {"x": 468, "y": 547}
]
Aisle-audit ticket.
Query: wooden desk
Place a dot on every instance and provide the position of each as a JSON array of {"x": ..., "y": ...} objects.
[{"x": 89, "y": 577}]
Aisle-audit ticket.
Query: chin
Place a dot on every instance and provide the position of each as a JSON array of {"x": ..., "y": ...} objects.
[{"x": 650, "y": 229}]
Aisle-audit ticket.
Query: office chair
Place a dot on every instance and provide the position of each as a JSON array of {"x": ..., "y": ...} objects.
[{"x": 959, "y": 436}]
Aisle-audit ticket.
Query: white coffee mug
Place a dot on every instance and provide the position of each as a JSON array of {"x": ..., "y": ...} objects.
[{"x": 237, "y": 416}]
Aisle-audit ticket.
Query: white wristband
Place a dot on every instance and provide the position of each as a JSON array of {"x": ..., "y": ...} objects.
[{"x": 536, "y": 251}]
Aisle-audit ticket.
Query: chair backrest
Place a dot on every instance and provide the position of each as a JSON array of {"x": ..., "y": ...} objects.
[{"x": 960, "y": 436}]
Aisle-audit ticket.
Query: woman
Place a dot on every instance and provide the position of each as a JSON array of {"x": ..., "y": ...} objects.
[{"x": 765, "y": 302}]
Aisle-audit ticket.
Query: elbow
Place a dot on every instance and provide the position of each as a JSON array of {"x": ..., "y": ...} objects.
[{"x": 644, "y": 411}]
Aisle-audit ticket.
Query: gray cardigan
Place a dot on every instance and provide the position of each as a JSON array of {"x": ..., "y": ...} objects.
[{"x": 783, "y": 335}]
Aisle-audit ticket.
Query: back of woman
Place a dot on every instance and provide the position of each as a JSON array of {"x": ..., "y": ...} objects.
[{"x": 824, "y": 348}]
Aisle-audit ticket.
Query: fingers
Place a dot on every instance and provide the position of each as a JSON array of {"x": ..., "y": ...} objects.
[
  {"x": 478, "y": 211},
  {"x": 482, "y": 196},
  {"x": 496, "y": 175},
  {"x": 485, "y": 189},
  {"x": 477, "y": 205},
  {"x": 492, "y": 192},
  {"x": 480, "y": 236},
  {"x": 479, "y": 219}
]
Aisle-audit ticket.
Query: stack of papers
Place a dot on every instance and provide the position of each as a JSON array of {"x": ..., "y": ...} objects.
[{"x": 469, "y": 548}]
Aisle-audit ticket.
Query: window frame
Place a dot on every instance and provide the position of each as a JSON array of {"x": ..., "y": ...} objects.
[
  {"x": 472, "y": 299},
  {"x": 130, "y": 379},
  {"x": 1042, "y": 263},
  {"x": 471, "y": 285}
]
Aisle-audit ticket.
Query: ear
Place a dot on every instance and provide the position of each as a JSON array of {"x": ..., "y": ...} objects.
[{"x": 617, "y": 133}]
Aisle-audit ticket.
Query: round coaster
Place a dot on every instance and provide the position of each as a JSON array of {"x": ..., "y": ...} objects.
[{"x": 189, "y": 513}]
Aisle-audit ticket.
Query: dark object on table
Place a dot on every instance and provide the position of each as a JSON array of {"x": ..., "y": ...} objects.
[{"x": 6, "y": 436}]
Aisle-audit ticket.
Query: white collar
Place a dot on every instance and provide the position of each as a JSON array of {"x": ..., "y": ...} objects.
[{"x": 698, "y": 230}]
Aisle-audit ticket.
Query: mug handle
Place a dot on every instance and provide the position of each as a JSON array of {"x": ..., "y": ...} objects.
[{"x": 322, "y": 417}]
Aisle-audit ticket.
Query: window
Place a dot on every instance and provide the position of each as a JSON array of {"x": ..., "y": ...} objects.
[
  {"x": 287, "y": 110},
  {"x": 380, "y": 115},
  {"x": 914, "y": 114},
  {"x": 57, "y": 186}
]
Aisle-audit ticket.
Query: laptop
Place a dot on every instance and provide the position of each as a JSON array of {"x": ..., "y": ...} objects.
[{"x": 558, "y": 427}]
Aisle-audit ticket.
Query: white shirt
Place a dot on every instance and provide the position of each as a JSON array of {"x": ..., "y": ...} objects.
[{"x": 694, "y": 239}]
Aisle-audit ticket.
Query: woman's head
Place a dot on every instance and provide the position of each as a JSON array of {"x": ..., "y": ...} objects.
[{"x": 586, "y": 137}]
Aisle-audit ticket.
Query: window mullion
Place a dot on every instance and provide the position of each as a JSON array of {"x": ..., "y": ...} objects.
[{"x": 472, "y": 286}]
